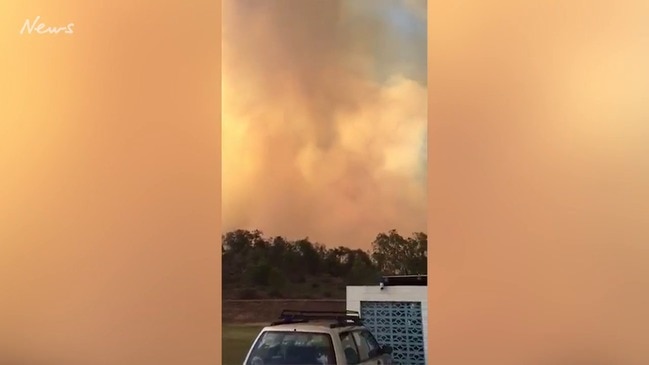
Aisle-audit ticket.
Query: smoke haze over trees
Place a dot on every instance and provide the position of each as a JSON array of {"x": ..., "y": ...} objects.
[{"x": 256, "y": 266}]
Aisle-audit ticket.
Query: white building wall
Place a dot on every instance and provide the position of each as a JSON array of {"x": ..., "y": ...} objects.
[{"x": 356, "y": 294}]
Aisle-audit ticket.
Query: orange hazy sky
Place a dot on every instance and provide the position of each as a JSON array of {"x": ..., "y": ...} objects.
[{"x": 324, "y": 118}]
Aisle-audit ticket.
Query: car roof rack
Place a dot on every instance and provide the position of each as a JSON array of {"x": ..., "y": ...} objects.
[
  {"x": 341, "y": 318},
  {"x": 405, "y": 280}
]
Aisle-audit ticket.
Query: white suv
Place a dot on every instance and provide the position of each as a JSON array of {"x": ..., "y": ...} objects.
[{"x": 317, "y": 338}]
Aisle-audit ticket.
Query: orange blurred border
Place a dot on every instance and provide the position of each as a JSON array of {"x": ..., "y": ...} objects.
[{"x": 65, "y": 107}]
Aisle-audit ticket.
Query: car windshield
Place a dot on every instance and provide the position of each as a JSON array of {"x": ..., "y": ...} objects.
[{"x": 292, "y": 348}]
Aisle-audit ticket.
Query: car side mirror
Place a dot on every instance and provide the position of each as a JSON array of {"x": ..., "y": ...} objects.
[{"x": 386, "y": 349}]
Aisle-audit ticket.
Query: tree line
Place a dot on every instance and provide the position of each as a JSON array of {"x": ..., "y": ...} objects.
[{"x": 258, "y": 267}]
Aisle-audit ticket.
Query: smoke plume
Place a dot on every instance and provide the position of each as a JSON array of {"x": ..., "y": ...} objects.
[{"x": 324, "y": 118}]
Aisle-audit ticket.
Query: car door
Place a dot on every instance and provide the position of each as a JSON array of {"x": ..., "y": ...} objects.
[{"x": 369, "y": 350}]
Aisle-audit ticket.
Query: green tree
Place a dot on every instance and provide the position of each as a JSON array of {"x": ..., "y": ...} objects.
[
  {"x": 395, "y": 255},
  {"x": 255, "y": 266},
  {"x": 362, "y": 270}
]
